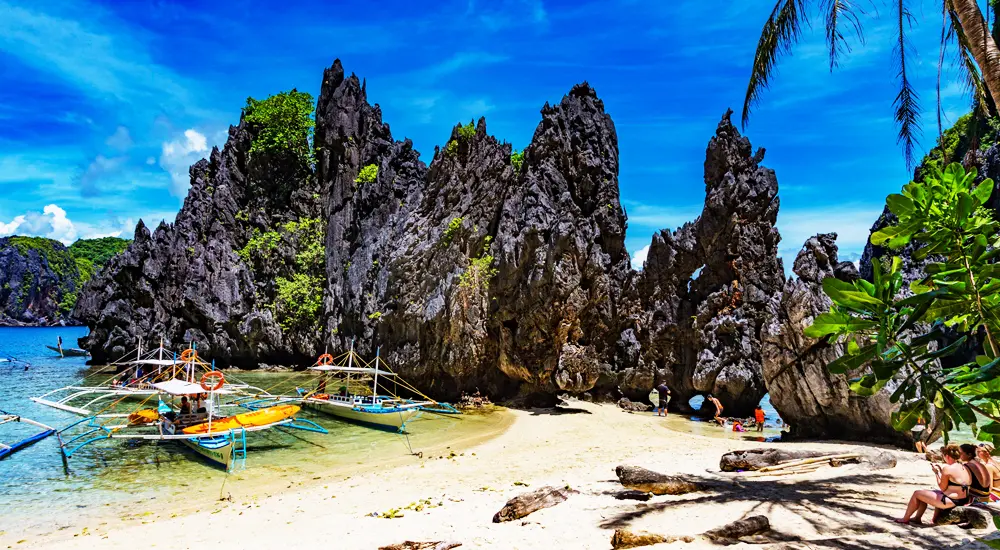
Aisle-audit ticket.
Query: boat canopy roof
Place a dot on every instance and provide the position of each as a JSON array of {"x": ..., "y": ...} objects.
[
  {"x": 365, "y": 370},
  {"x": 180, "y": 387},
  {"x": 156, "y": 362}
]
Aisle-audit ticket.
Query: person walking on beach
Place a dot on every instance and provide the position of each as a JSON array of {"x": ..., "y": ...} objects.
[
  {"x": 758, "y": 415},
  {"x": 718, "y": 409},
  {"x": 664, "y": 392}
]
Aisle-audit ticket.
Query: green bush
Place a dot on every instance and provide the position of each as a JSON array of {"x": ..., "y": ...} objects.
[
  {"x": 283, "y": 123},
  {"x": 86, "y": 270},
  {"x": 260, "y": 244},
  {"x": 449, "y": 234},
  {"x": 367, "y": 174},
  {"x": 478, "y": 274},
  {"x": 99, "y": 251},
  {"x": 467, "y": 132},
  {"x": 517, "y": 159},
  {"x": 451, "y": 149},
  {"x": 299, "y": 301}
]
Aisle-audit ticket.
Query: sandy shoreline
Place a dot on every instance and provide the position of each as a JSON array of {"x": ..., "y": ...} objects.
[{"x": 846, "y": 507}]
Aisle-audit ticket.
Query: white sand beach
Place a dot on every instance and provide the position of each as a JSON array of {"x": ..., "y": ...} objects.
[{"x": 845, "y": 507}]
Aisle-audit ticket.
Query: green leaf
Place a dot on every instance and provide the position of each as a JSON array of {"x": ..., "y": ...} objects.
[
  {"x": 846, "y": 363},
  {"x": 945, "y": 351},
  {"x": 992, "y": 428},
  {"x": 907, "y": 416},
  {"x": 963, "y": 207},
  {"x": 983, "y": 191},
  {"x": 899, "y": 205},
  {"x": 836, "y": 323},
  {"x": 867, "y": 386}
]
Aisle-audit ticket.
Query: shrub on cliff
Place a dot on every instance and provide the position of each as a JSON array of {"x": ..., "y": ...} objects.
[
  {"x": 884, "y": 331},
  {"x": 283, "y": 123}
]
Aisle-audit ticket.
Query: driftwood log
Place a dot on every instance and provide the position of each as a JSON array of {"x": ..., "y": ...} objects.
[
  {"x": 527, "y": 503},
  {"x": 975, "y": 517},
  {"x": 765, "y": 459},
  {"x": 648, "y": 481},
  {"x": 623, "y": 538},
  {"x": 410, "y": 545}
]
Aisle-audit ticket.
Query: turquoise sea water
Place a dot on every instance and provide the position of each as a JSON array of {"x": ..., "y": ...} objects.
[{"x": 113, "y": 476}]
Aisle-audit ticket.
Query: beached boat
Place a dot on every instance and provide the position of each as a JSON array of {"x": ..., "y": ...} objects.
[
  {"x": 133, "y": 378},
  {"x": 358, "y": 396},
  {"x": 69, "y": 352},
  {"x": 11, "y": 448},
  {"x": 211, "y": 434}
]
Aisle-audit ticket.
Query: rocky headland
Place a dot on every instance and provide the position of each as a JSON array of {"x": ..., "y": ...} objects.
[{"x": 487, "y": 269}]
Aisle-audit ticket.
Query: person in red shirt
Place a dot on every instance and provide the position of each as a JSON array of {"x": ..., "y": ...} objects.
[{"x": 758, "y": 415}]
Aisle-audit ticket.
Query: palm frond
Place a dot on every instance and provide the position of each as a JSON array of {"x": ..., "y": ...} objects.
[
  {"x": 944, "y": 46},
  {"x": 968, "y": 69},
  {"x": 780, "y": 32},
  {"x": 907, "y": 114},
  {"x": 838, "y": 13}
]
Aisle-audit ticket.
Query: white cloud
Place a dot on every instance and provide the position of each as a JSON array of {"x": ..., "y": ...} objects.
[
  {"x": 101, "y": 167},
  {"x": 851, "y": 223},
  {"x": 51, "y": 223},
  {"x": 120, "y": 140},
  {"x": 178, "y": 156},
  {"x": 639, "y": 258},
  {"x": 151, "y": 160},
  {"x": 658, "y": 217}
]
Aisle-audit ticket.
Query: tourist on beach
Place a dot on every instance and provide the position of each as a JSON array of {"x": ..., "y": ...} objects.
[
  {"x": 955, "y": 483},
  {"x": 979, "y": 490},
  {"x": 664, "y": 392},
  {"x": 718, "y": 409},
  {"x": 758, "y": 415},
  {"x": 984, "y": 452}
]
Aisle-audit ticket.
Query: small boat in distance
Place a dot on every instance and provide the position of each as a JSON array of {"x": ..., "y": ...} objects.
[
  {"x": 69, "y": 352},
  {"x": 7, "y": 450}
]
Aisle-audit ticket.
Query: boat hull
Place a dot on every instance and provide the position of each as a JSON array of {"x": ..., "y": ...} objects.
[
  {"x": 218, "y": 449},
  {"x": 393, "y": 419},
  {"x": 70, "y": 352}
]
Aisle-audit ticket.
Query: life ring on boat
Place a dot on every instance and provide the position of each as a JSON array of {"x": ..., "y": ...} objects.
[
  {"x": 188, "y": 355},
  {"x": 208, "y": 377},
  {"x": 325, "y": 359}
]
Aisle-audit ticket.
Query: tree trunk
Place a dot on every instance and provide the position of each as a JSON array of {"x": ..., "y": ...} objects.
[
  {"x": 527, "y": 503},
  {"x": 648, "y": 481},
  {"x": 984, "y": 48}
]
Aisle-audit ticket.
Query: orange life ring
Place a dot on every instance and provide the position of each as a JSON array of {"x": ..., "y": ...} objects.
[
  {"x": 220, "y": 379},
  {"x": 325, "y": 359},
  {"x": 189, "y": 354}
]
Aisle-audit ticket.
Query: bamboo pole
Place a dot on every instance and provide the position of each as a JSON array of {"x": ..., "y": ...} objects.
[{"x": 806, "y": 461}]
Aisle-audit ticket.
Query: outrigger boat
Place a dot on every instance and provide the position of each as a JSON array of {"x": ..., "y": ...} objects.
[
  {"x": 7, "y": 450},
  {"x": 69, "y": 352},
  {"x": 359, "y": 398},
  {"x": 134, "y": 378},
  {"x": 220, "y": 438}
]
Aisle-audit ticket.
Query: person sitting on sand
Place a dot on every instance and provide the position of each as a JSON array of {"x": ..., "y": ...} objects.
[
  {"x": 954, "y": 481},
  {"x": 738, "y": 426},
  {"x": 758, "y": 415},
  {"x": 664, "y": 392},
  {"x": 718, "y": 409},
  {"x": 984, "y": 453}
]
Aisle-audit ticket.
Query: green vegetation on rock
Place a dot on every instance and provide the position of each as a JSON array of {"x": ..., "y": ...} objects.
[
  {"x": 367, "y": 174},
  {"x": 477, "y": 276},
  {"x": 92, "y": 254},
  {"x": 467, "y": 132},
  {"x": 449, "y": 234},
  {"x": 517, "y": 159},
  {"x": 956, "y": 141},
  {"x": 284, "y": 123}
]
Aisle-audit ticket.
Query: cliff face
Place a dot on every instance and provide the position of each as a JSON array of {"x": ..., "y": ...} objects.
[
  {"x": 813, "y": 401},
  {"x": 706, "y": 286},
  {"x": 38, "y": 282}
]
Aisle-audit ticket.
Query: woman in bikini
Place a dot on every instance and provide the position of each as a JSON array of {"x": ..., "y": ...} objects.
[
  {"x": 957, "y": 484},
  {"x": 984, "y": 452}
]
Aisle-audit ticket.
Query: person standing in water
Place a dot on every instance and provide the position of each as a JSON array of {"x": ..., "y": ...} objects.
[
  {"x": 664, "y": 392},
  {"x": 718, "y": 409},
  {"x": 758, "y": 415},
  {"x": 59, "y": 343}
]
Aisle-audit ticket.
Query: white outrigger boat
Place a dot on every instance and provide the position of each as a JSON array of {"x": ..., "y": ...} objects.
[
  {"x": 220, "y": 438},
  {"x": 359, "y": 398},
  {"x": 134, "y": 377},
  {"x": 9, "y": 449}
]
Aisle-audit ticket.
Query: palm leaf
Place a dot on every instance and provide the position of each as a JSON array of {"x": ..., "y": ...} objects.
[
  {"x": 967, "y": 68},
  {"x": 838, "y": 12},
  {"x": 780, "y": 32},
  {"x": 907, "y": 114}
]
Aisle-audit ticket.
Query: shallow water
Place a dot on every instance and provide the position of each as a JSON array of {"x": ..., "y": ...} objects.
[{"x": 113, "y": 476}]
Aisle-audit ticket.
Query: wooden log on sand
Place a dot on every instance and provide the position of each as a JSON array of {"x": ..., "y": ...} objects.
[
  {"x": 755, "y": 459},
  {"x": 623, "y": 538},
  {"x": 410, "y": 545},
  {"x": 648, "y": 481},
  {"x": 527, "y": 503},
  {"x": 974, "y": 517}
]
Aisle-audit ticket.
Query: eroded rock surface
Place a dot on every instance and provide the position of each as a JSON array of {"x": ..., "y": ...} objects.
[
  {"x": 38, "y": 282},
  {"x": 815, "y": 402}
]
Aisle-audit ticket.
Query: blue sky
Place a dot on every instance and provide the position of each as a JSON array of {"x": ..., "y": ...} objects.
[{"x": 104, "y": 105}]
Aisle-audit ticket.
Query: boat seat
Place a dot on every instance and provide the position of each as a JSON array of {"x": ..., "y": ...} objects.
[{"x": 185, "y": 420}]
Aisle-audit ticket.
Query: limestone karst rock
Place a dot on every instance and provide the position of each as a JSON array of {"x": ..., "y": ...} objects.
[
  {"x": 813, "y": 401},
  {"x": 706, "y": 286},
  {"x": 36, "y": 277}
]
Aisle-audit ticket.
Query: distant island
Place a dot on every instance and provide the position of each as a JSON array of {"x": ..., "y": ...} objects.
[{"x": 41, "y": 279}]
